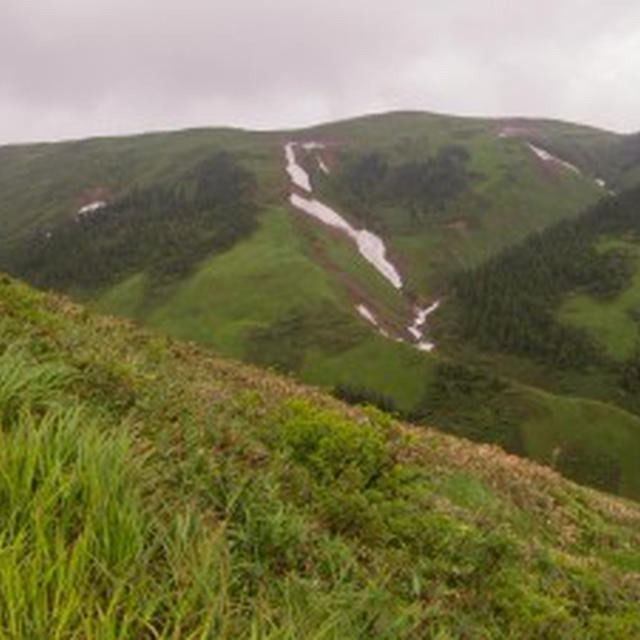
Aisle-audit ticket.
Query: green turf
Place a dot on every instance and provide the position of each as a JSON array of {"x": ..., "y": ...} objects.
[
  {"x": 259, "y": 281},
  {"x": 395, "y": 370},
  {"x": 610, "y": 322},
  {"x": 589, "y": 440},
  {"x": 249, "y": 286},
  {"x": 126, "y": 298}
]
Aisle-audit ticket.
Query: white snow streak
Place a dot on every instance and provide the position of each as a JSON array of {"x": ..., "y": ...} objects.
[
  {"x": 323, "y": 166},
  {"x": 547, "y": 157},
  {"x": 367, "y": 315},
  {"x": 313, "y": 146},
  {"x": 298, "y": 175},
  {"x": 370, "y": 246},
  {"x": 419, "y": 322},
  {"x": 320, "y": 211},
  {"x": 91, "y": 207}
]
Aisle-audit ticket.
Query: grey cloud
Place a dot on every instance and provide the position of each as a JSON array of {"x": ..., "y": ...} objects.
[{"x": 73, "y": 68}]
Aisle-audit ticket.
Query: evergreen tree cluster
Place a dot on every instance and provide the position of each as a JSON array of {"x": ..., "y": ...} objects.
[
  {"x": 163, "y": 229},
  {"x": 421, "y": 186},
  {"x": 471, "y": 403},
  {"x": 509, "y": 302},
  {"x": 360, "y": 395}
]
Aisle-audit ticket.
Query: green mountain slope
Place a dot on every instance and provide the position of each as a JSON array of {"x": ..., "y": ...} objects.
[
  {"x": 565, "y": 298},
  {"x": 150, "y": 489},
  {"x": 196, "y": 238},
  {"x": 166, "y": 238},
  {"x": 510, "y": 192}
]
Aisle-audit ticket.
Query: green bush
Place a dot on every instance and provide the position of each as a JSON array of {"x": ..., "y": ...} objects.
[{"x": 332, "y": 446}]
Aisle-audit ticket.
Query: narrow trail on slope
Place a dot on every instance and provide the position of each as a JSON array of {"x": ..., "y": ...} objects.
[{"x": 370, "y": 246}]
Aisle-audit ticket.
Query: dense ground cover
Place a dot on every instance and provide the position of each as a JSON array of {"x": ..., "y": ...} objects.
[{"x": 150, "y": 489}]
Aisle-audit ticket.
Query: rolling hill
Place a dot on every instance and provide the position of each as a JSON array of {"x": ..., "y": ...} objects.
[
  {"x": 504, "y": 192},
  {"x": 217, "y": 236}
]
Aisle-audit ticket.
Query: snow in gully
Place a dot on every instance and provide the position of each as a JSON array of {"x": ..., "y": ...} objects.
[{"x": 370, "y": 246}]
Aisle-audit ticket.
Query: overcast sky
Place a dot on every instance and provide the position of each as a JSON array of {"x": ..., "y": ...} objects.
[{"x": 75, "y": 68}]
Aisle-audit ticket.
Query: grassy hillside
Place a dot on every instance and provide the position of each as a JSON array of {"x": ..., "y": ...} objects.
[
  {"x": 590, "y": 441},
  {"x": 510, "y": 193},
  {"x": 44, "y": 184},
  {"x": 612, "y": 322},
  {"x": 238, "y": 270},
  {"x": 566, "y": 298},
  {"x": 150, "y": 489}
]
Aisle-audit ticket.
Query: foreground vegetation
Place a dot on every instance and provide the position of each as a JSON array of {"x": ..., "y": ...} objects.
[{"x": 149, "y": 489}]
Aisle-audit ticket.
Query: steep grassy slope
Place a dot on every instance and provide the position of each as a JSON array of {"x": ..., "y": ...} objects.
[
  {"x": 592, "y": 442},
  {"x": 612, "y": 322},
  {"x": 150, "y": 489},
  {"x": 281, "y": 292},
  {"x": 566, "y": 297},
  {"x": 44, "y": 184},
  {"x": 511, "y": 191}
]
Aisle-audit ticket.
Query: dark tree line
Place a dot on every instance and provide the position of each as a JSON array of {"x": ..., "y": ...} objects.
[
  {"x": 164, "y": 229},
  {"x": 421, "y": 186},
  {"x": 509, "y": 303},
  {"x": 360, "y": 395},
  {"x": 630, "y": 151}
]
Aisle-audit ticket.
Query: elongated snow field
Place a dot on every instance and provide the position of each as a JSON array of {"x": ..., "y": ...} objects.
[{"x": 370, "y": 246}]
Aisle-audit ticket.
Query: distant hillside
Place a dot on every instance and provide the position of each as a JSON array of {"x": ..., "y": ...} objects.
[
  {"x": 565, "y": 298},
  {"x": 195, "y": 233},
  {"x": 150, "y": 489},
  {"x": 130, "y": 224}
]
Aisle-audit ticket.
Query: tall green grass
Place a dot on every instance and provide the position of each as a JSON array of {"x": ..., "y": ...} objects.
[
  {"x": 91, "y": 548},
  {"x": 81, "y": 554},
  {"x": 148, "y": 490}
]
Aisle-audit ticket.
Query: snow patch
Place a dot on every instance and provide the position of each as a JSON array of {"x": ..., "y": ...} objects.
[
  {"x": 312, "y": 146},
  {"x": 323, "y": 166},
  {"x": 601, "y": 183},
  {"x": 420, "y": 319},
  {"x": 370, "y": 246},
  {"x": 373, "y": 250},
  {"x": 298, "y": 175},
  {"x": 91, "y": 207},
  {"x": 547, "y": 157},
  {"x": 367, "y": 315},
  {"x": 321, "y": 212}
]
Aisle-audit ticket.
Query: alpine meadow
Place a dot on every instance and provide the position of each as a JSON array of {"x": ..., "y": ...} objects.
[{"x": 375, "y": 378}]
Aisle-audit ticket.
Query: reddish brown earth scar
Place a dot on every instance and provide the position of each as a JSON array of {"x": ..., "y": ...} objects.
[
  {"x": 393, "y": 323},
  {"x": 356, "y": 292},
  {"x": 551, "y": 168}
]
